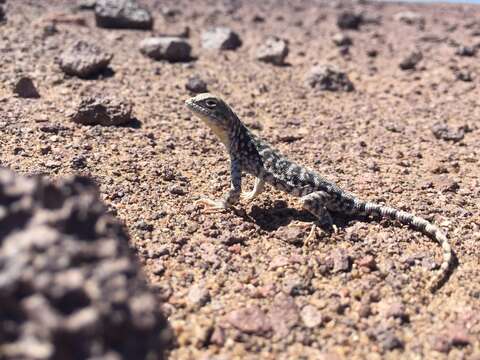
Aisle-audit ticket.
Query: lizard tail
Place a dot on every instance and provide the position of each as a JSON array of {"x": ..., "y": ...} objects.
[{"x": 419, "y": 224}]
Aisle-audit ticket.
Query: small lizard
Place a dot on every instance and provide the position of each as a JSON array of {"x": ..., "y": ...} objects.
[{"x": 250, "y": 154}]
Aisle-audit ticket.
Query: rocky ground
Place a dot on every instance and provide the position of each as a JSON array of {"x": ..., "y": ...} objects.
[{"x": 381, "y": 98}]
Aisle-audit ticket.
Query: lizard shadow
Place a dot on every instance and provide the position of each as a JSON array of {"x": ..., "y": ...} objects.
[{"x": 271, "y": 218}]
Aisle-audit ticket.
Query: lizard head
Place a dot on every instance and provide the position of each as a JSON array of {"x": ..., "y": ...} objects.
[{"x": 214, "y": 112}]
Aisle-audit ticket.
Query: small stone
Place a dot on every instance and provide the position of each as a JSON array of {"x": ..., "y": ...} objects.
[
  {"x": 103, "y": 110},
  {"x": 283, "y": 315},
  {"x": 220, "y": 38},
  {"x": 390, "y": 341},
  {"x": 198, "y": 295},
  {"x": 122, "y": 14},
  {"x": 84, "y": 60},
  {"x": 292, "y": 235},
  {"x": 341, "y": 261},
  {"x": 341, "y": 39},
  {"x": 218, "y": 336},
  {"x": 455, "y": 336},
  {"x": 328, "y": 78},
  {"x": 442, "y": 131},
  {"x": 349, "y": 20},
  {"x": 25, "y": 88},
  {"x": 274, "y": 50},
  {"x": 79, "y": 162},
  {"x": 172, "y": 49},
  {"x": 411, "y": 60},
  {"x": 367, "y": 262},
  {"x": 463, "y": 75},
  {"x": 466, "y": 51},
  {"x": 196, "y": 85},
  {"x": 372, "y": 53},
  {"x": 250, "y": 320},
  {"x": 396, "y": 310},
  {"x": 86, "y": 4},
  {"x": 410, "y": 18},
  {"x": 311, "y": 317},
  {"x": 446, "y": 184}
]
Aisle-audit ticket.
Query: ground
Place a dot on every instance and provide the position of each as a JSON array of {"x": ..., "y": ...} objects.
[{"x": 241, "y": 283}]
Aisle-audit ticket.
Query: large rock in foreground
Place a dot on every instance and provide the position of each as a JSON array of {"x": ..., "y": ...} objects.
[
  {"x": 122, "y": 14},
  {"x": 103, "y": 110},
  {"x": 172, "y": 49},
  {"x": 69, "y": 285},
  {"x": 84, "y": 59}
]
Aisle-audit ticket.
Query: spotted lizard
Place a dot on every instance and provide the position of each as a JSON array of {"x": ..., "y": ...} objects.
[{"x": 250, "y": 154}]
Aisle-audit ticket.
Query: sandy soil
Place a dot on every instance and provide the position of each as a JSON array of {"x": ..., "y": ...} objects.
[{"x": 242, "y": 284}]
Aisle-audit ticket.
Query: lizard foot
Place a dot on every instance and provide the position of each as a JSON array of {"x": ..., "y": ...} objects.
[
  {"x": 211, "y": 206},
  {"x": 248, "y": 196}
]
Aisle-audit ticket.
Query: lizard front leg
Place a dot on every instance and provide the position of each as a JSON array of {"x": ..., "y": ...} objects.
[
  {"x": 257, "y": 189},
  {"x": 232, "y": 197}
]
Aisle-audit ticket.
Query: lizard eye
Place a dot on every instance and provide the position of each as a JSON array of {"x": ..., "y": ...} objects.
[{"x": 211, "y": 103}]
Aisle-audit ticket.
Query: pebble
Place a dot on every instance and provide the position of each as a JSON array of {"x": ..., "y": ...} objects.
[
  {"x": 466, "y": 51},
  {"x": 122, "y": 14},
  {"x": 25, "y": 88},
  {"x": 198, "y": 295},
  {"x": 410, "y": 18},
  {"x": 220, "y": 38},
  {"x": 103, "y": 110},
  {"x": 250, "y": 320},
  {"x": 411, "y": 60},
  {"x": 84, "y": 59},
  {"x": 171, "y": 49},
  {"x": 274, "y": 50},
  {"x": 341, "y": 261},
  {"x": 349, "y": 20},
  {"x": 195, "y": 84},
  {"x": 311, "y": 317},
  {"x": 283, "y": 315},
  {"x": 328, "y": 78},
  {"x": 341, "y": 39},
  {"x": 442, "y": 131}
]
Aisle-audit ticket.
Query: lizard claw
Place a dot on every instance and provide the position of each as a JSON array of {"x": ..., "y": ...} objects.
[{"x": 247, "y": 196}]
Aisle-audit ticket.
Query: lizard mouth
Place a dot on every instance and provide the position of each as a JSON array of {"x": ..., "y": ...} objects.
[{"x": 197, "y": 109}]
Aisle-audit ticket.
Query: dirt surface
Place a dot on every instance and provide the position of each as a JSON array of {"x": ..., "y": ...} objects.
[{"x": 242, "y": 284}]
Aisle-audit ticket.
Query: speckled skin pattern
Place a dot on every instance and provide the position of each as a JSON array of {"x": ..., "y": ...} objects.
[{"x": 252, "y": 155}]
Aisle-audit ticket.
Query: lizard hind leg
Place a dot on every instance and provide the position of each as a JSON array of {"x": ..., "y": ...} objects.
[
  {"x": 257, "y": 190},
  {"x": 315, "y": 203}
]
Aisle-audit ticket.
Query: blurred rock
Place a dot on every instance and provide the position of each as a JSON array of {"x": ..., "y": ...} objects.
[
  {"x": 25, "y": 88},
  {"x": 84, "y": 60},
  {"x": 86, "y": 4},
  {"x": 196, "y": 85},
  {"x": 410, "y": 18},
  {"x": 70, "y": 287},
  {"x": 172, "y": 49},
  {"x": 466, "y": 51},
  {"x": 311, "y": 317},
  {"x": 122, "y": 14},
  {"x": 341, "y": 39},
  {"x": 220, "y": 38},
  {"x": 442, "y": 131},
  {"x": 349, "y": 20},
  {"x": 411, "y": 60},
  {"x": 274, "y": 50},
  {"x": 325, "y": 77},
  {"x": 103, "y": 110},
  {"x": 283, "y": 315},
  {"x": 250, "y": 320}
]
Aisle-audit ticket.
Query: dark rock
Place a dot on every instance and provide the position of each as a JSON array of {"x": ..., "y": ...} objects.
[
  {"x": 455, "y": 336},
  {"x": 466, "y": 51},
  {"x": 196, "y": 85},
  {"x": 122, "y": 14},
  {"x": 69, "y": 285},
  {"x": 172, "y": 49},
  {"x": 411, "y": 60},
  {"x": 79, "y": 162},
  {"x": 349, "y": 20},
  {"x": 274, "y": 50},
  {"x": 25, "y": 88},
  {"x": 2, "y": 14},
  {"x": 328, "y": 78},
  {"x": 250, "y": 320},
  {"x": 101, "y": 110},
  {"x": 220, "y": 38},
  {"x": 84, "y": 60},
  {"x": 442, "y": 131},
  {"x": 372, "y": 53},
  {"x": 341, "y": 39}
]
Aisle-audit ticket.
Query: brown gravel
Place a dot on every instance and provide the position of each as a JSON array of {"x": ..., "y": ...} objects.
[{"x": 378, "y": 141}]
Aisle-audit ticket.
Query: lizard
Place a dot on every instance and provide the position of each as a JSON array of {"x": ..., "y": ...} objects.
[{"x": 319, "y": 196}]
